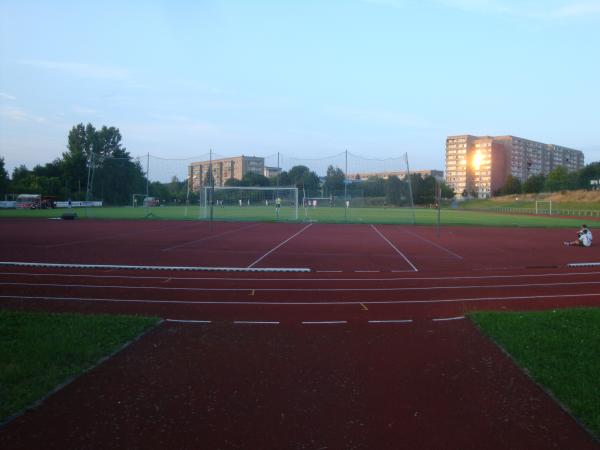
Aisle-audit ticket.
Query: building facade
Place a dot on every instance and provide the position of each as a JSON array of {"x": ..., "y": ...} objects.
[
  {"x": 479, "y": 165},
  {"x": 223, "y": 170}
]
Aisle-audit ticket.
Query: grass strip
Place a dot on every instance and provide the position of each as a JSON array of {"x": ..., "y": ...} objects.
[
  {"x": 560, "y": 349},
  {"x": 39, "y": 351}
]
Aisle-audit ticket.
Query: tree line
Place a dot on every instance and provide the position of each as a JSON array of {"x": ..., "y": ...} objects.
[{"x": 559, "y": 179}]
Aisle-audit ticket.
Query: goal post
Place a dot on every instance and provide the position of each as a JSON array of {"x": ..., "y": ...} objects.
[
  {"x": 543, "y": 207},
  {"x": 250, "y": 202}
]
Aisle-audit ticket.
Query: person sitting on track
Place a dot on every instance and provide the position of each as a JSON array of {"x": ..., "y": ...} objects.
[{"x": 584, "y": 238}]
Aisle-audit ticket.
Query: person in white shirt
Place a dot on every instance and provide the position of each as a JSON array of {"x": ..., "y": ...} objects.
[{"x": 584, "y": 238}]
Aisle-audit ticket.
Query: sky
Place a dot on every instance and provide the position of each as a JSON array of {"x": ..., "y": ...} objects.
[{"x": 309, "y": 78}]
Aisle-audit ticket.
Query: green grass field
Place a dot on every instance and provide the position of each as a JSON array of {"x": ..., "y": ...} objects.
[
  {"x": 319, "y": 214},
  {"x": 561, "y": 351},
  {"x": 40, "y": 351}
]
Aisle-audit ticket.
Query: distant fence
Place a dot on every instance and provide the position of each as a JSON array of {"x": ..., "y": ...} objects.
[
  {"x": 78, "y": 204},
  {"x": 5, "y": 204},
  {"x": 555, "y": 212}
]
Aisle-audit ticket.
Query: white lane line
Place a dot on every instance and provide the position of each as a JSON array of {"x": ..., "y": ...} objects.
[
  {"x": 276, "y": 247},
  {"x": 304, "y": 279},
  {"x": 309, "y": 289},
  {"x": 391, "y": 321},
  {"x": 206, "y": 238},
  {"x": 367, "y": 271},
  {"x": 324, "y": 322},
  {"x": 444, "y": 319},
  {"x": 450, "y": 252},
  {"x": 256, "y": 322},
  {"x": 313, "y": 303},
  {"x": 394, "y": 247},
  {"x": 187, "y": 321},
  {"x": 328, "y": 271}
]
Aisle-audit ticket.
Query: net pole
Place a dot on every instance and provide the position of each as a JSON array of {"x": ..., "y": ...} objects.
[
  {"x": 296, "y": 192},
  {"x": 187, "y": 194},
  {"x": 147, "y": 183},
  {"x": 89, "y": 182},
  {"x": 410, "y": 194},
  {"x": 212, "y": 187},
  {"x": 438, "y": 200}
]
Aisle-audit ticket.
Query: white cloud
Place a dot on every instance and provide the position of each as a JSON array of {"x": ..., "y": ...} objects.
[
  {"x": 577, "y": 9},
  {"x": 84, "y": 110},
  {"x": 18, "y": 114},
  {"x": 7, "y": 96},
  {"x": 79, "y": 69}
]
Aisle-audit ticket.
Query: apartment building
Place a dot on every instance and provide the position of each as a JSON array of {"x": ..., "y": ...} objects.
[
  {"x": 479, "y": 165},
  {"x": 223, "y": 170}
]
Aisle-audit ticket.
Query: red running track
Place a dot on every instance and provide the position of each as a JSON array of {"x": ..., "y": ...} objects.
[{"x": 397, "y": 366}]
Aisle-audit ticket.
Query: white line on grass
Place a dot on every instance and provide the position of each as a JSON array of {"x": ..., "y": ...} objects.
[
  {"x": 394, "y": 247},
  {"x": 276, "y": 247},
  {"x": 206, "y": 238},
  {"x": 450, "y": 252}
]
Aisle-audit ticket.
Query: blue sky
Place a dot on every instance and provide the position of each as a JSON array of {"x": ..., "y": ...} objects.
[{"x": 306, "y": 78}]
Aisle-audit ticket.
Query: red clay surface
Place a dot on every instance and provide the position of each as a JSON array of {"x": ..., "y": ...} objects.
[{"x": 421, "y": 381}]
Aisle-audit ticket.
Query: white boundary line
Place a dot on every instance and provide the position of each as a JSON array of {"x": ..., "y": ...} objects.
[
  {"x": 206, "y": 238},
  {"x": 306, "y": 303},
  {"x": 255, "y": 322},
  {"x": 187, "y": 321},
  {"x": 174, "y": 268},
  {"x": 394, "y": 247},
  {"x": 588, "y": 264},
  {"x": 317, "y": 289},
  {"x": 444, "y": 319},
  {"x": 324, "y": 322},
  {"x": 391, "y": 321},
  {"x": 450, "y": 252},
  {"x": 361, "y": 280},
  {"x": 276, "y": 247}
]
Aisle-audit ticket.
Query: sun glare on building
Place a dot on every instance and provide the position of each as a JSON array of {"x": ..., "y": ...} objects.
[{"x": 477, "y": 160}]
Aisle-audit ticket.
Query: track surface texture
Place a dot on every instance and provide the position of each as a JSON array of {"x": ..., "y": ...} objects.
[{"x": 369, "y": 350}]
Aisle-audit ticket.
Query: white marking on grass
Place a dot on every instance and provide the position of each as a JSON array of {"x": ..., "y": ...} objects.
[
  {"x": 450, "y": 252},
  {"x": 394, "y": 247},
  {"x": 206, "y": 238},
  {"x": 444, "y": 319},
  {"x": 281, "y": 244}
]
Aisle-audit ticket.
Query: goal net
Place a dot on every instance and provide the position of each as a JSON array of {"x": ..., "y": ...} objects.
[
  {"x": 543, "y": 207},
  {"x": 249, "y": 203}
]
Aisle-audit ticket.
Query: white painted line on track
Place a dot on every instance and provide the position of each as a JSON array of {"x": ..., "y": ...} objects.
[
  {"x": 310, "y": 289},
  {"x": 394, "y": 247},
  {"x": 187, "y": 321},
  {"x": 324, "y": 322},
  {"x": 367, "y": 271},
  {"x": 450, "y": 252},
  {"x": 306, "y": 303},
  {"x": 162, "y": 268},
  {"x": 391, "y": 321},
  {"x": 206, "y": 238},
  {"x": 304, "y": 279},
  {"x": 256, "y": 322},
  {"x": 328, "y": 271},
  {"x": 444, "y": 319},
  {"x": 588, "y": 264},
  {"x": 276, "y": 247}
]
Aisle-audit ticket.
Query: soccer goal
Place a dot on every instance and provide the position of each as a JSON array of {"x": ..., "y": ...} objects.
[
  {"x": 543, "y": 207},
  {"x": 250, "y": 203}
]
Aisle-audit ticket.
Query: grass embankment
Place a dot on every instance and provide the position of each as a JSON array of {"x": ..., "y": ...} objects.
[
  {"x": 40, "y": 351},
  {"x": 423, "y": 216},
  {"x": 560, "y": 349}
]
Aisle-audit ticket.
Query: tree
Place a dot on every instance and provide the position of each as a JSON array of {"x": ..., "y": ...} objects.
[
  {"x": 254, "y": 179},
  {"x": 534, "y": 184},
  {"x": 303, "y": 178},
  {"x": 334, "y": 180},
  {"x": 557, "y": 180},
  {"x": 393, "y": 190},
  {"x": 588, "y": 173},
  {"x": 512, "y": 185},
  {"x": 4, "y": 180}
]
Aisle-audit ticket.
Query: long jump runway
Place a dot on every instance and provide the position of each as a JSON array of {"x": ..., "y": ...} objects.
[{"x": 370, "y": 349}]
